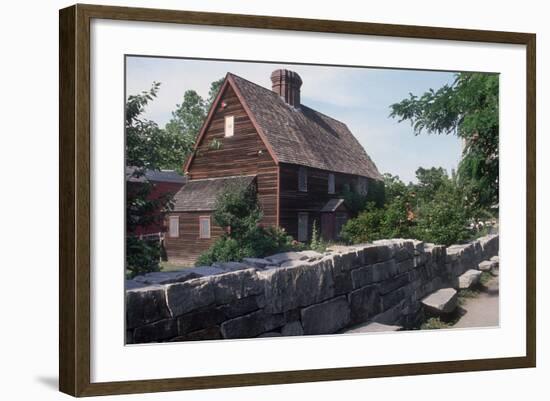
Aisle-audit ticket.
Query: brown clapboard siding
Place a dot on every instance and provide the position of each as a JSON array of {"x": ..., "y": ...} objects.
[
  {"x": 293, "y": 201},
  {"x": 188, "y": 246},
  {"x": 242, "y": 154}
]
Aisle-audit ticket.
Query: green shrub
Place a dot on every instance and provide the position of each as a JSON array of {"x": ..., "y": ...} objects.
[
  {"x": 434, "y": 323},
  {"x": 238, "y": 209},
  {"x": 142, "y": 256}
]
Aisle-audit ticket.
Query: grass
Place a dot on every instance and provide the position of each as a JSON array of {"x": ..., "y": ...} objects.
[
  {"x": 485, "y": 278},
  {"x": 463, "y": 295},
  {"x": 167, "y": 266},
  {"x": 434, "y": 323}
]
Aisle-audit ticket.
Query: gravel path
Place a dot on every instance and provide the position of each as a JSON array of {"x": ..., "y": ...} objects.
[{"x": 482, "y": 311}]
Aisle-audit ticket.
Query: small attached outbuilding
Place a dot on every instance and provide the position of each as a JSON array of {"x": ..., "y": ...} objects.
[
  {"x": 190, "y": 228},
  {"x": 333, "y": 217}
]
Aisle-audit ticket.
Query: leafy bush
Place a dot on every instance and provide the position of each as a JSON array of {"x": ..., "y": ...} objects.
[
  {"x": 142, "y": 256},
  {"x": 237, "y": 209},
  {"x": 433, "y": 210}
]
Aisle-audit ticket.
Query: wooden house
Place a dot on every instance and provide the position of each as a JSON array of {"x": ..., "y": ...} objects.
[{"x": 298, "y": 159}]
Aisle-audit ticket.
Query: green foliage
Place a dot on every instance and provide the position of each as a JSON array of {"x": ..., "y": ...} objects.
[
  {"x": 355, "y": 202},
  {"x": 434, "y": 323},
  {"x": 467, "y": 108},
  {"x": 215, "y": 87},
  {"x": 147, "y": 145},
  {"x": 317, "y": 244},
  {"x": 142, "y": 256},
  {"x": 238, "y": 210},
  {"x": 433, "y": 210},
  {"x": 484, "y": 278}
]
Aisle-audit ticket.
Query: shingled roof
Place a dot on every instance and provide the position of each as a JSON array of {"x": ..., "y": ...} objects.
[
  {"x": 199, "y": 195},
  {"x": 303, "y": 135}
]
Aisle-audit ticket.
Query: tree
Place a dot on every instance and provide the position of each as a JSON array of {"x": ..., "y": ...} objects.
[
  {"x": 215, "y": 87},
  {"x": 467, "y": 108}
]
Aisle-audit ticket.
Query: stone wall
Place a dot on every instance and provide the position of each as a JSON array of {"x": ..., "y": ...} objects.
[{"x": 298, "y": 293}]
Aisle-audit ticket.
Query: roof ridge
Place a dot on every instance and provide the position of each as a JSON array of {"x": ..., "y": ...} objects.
[{"x": 224, "y": 177}]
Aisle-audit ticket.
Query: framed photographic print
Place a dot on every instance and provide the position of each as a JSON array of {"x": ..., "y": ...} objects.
[{"x": 297, "y": 200}]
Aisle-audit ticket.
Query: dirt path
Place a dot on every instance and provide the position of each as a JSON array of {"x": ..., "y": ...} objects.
[{"x": 483, "y": 310}]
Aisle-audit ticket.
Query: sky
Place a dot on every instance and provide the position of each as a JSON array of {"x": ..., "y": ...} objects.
[{"x": 358, "y": 96}]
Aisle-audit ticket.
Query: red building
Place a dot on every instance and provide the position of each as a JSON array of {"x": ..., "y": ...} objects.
[
  {"x": 164, "y": 185},
  {"x": 300, "y": 161}
]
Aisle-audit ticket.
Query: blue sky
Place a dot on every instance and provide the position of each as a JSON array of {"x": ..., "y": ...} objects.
[{"x": 359, "y": 97}]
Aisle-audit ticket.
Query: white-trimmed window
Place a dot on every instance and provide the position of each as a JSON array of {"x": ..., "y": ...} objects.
[
  {"x": 331, "y": 184},
  {"x": 174, "y": 226},
  {"x": 302, "y": 226},
  {"x": 204, "y": 227},
  {"x": 229, "y": 126},
  {"x": 302, "y": 179}
]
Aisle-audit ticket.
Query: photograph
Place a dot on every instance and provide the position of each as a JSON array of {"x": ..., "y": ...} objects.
[{"x": 269, "y": 199}]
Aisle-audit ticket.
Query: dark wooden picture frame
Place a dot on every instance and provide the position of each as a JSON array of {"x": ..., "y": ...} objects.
[{"x": 74, "y": 203}]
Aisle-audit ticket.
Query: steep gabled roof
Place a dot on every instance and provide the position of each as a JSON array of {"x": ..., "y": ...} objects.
[
  {"x": 170, "y": 176},
  {"x": 199, "y": 195},
  {"x": 303, "y": 135}
]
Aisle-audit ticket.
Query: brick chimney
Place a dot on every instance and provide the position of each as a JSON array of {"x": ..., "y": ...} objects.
[{"x": 287, "y": 84}]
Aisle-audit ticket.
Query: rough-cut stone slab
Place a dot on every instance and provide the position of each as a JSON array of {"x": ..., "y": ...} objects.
[
  {"x": 495, "y": 258},
  {"x": 205, "y": 271},
  {"x": 132, "y": 285},
  {"x": 294, "y": 263},
  {"x": 198, "y": 320},
  {"x": 279, "y": 258},
  {"x": 393, "y": 283},
  {"x": 327, "y": 317},
  {"x": 241, "y": 307},
  {"x": 257, "y": 262},
  {"x": 364, "y": 303},
  {"x": 229, "y": 287},
  {"x": 189, "y": 295},
  {"x": 209, "y": 333},
  {"x": 292, "y": 329},
  {"x": 487, "y": 265},
  {"x": 154, "y": 332},
  {"x": 444, "y": 300},
  {"x": 230, "y": 266},
  {"x": 312, "y": 255},
  {"x": 167, "y": 277},
  {"x": 372, "y": 327},
  {"x": 145, "y": 305},
  {"x": 251, "y": 325},
  {"x": 270, "y": 334},
  {"x": 288, "y": 288},
  {"x": 468, "y": 279}
]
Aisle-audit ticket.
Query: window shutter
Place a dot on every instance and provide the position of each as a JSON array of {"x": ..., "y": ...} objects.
[
  {"x": 174, "y": 226},
  {"x": 204, "y": 227},
  {"x": 302, "y": 179},
  {"x": 331, "y": 184},
  {"x": 229, "y": 126}
]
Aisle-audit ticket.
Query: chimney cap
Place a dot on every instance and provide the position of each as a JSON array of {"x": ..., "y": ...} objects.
[
  {"x": 287, "y": 84},
  {"x": 283, "y": 73}
]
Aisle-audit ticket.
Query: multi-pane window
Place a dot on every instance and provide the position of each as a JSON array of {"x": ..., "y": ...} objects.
[
  {"x": 331, "y": 184},
  {"x": 204, "y": 227},
  {"x": 302, "y": 179},
  {"x": 229, "y": 126},
  {"x": 302, "y": 226},
  {"x": 174, "y": 226}
]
